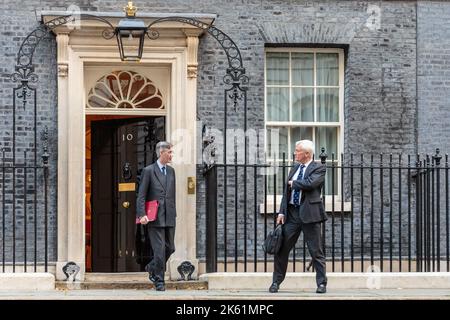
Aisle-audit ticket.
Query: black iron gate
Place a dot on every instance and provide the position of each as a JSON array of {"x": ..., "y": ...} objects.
[
  {"x": 24, "y": 214},
  {"x": 386, "y": 213}
]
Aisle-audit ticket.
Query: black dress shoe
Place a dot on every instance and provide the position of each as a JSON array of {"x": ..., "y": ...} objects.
[
  {"x": 152, "y": 277},
  {"x": 160, "y": 287},
  {"x": 274, "y": 287},
  {"x": 321, "y": 288}
]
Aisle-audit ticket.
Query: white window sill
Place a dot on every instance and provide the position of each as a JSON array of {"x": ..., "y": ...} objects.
[{"x": 328, "y": 205}]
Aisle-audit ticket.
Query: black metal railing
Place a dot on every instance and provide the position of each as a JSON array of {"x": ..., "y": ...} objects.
[
  {"x": 24, "y": 215},
  {"x": 386, "y": 213}
]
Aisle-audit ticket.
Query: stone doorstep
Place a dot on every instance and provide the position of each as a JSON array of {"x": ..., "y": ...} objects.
[
  {"x": 306, "y": 281},
  {"x": 129, "y": 285},
  {"x": 126, "y": 280}
]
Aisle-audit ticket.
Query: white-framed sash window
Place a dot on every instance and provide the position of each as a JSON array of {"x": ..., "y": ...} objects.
[{"x": 304, "y": 98}]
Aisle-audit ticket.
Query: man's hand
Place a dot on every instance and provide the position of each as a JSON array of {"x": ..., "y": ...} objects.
[
  {"x": 144, "y": 220},
  {"x": 290, "y": 183},
  {"x": 280, "y": 219}
]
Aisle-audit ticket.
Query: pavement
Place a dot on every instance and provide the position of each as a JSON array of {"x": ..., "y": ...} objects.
[{"x": 174, "y": 295}]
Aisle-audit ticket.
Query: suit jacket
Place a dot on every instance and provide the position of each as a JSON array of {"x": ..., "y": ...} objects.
[
  {"x": 311, "y": 206},
  {"x": 154, "y": 185}
]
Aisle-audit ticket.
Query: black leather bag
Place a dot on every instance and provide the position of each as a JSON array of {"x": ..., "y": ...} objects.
[{"x": 272, "y": 244}]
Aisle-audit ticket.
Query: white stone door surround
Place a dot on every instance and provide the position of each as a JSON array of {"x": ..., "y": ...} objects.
[{"x": 79, "y": 48}]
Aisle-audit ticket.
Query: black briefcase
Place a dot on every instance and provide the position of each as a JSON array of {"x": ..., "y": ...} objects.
[{"x": 272, "y": 244}]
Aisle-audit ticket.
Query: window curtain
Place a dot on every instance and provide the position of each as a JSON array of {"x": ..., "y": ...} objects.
[
  {"x": 328, "y": 104},
  {"x": 277, "y": 75},
  {"x": 277, "y": 104},
  {"x": 277, "y": 66},
  {"x": 327, "y": 137},
  {"x": 327, "y": 66},
  {"x": 302, "y": 69}
]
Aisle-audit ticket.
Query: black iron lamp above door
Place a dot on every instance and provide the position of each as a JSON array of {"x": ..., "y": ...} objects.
[{"x": 130, "y": 33}]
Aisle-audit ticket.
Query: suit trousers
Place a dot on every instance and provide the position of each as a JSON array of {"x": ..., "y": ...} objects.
[
  {"x": 291, "y": 231},
  {"x": 163, "y": 245}
]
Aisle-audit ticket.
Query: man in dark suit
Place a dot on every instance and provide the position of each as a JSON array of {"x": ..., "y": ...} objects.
[
  {"x": 302, "y": 210},
  {"x": 158, "y": 183}
]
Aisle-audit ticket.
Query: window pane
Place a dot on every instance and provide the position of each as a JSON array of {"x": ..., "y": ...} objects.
[
  {"x": 277, "y": 104},
  {"x": 277, "y": 142},
  {"x": 327, "y": 69},
  {"x": 302, "y": 104},
  {"x": 270, "y": 186},
  {"x": 277, "y": 65},
  {"x": 329, "y": 179},
  {"x": 328, "y": 138},
  {"x": 302, "y": 69},
  {"x": 328, "y": 105},
  {"x": 300, "y": 133}
]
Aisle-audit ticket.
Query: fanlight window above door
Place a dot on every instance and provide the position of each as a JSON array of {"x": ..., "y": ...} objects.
[{"x": 125, "y": 90}]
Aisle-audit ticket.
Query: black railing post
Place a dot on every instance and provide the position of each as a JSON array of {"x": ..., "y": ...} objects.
[
  {"x": 390, "y": 212},
  {"x": 400, "y": 212},
  {"x": 275, "y": 195},
  {"x": 45, "y": 157},
  {"x": 352, "y": 203},
  {"x": 3, "y": 212},
  {"x": 372, "y": 196},
  {"x": 381, "y": 214},
  {"x": 236, "y": 215},
  {"x": 419, "y": 193},
  {"x": 342, "y": 214},
  {"x": 333, "y": 168},
  {"x": 25, "y": 213},
  {"x": 245, "y": 215},
  {"x": 211, "y": 219},
  {"x": 427, "y": 213},
  {"x": 265, "y": 216},
  {"x": 409, "y": 212},
  {"x": 225, "y": 217},
  {"x": 14, "y": 216},
  {"x": 447, "y": 211},
  {"x": 255, "y": 218},
  {"x": 437, "y": 159},
  {"x": 323, "y": 159},
  {"x": 361, "y": 227},
  {"x": 432, "y": 212}
]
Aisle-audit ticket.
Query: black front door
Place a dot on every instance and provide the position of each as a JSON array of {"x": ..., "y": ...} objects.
[{"x": 120, "y": 149}]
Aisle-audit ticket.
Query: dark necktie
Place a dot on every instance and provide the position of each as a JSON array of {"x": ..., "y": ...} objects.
[
  {"x": 163, "y": 170},
  {"x": 297, "y": 193}
]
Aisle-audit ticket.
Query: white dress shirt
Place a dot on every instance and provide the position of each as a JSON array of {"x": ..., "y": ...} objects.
[{"x": 160, "y": 165}]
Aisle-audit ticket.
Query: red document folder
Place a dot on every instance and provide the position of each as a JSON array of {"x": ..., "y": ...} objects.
[{"x": 151, "y": 209}]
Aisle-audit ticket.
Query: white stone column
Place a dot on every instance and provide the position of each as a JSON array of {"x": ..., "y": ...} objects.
[
  {"x": 62, "y": 41},
  {"x": 185, "y": 147},
  {"x": 75, "y": 164}
]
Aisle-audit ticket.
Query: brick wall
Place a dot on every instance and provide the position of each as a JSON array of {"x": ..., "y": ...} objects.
[{"x": 433, "y": 74}]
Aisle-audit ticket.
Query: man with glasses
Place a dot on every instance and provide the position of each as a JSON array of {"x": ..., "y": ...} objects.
[{"x": 158, "y": 183}]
